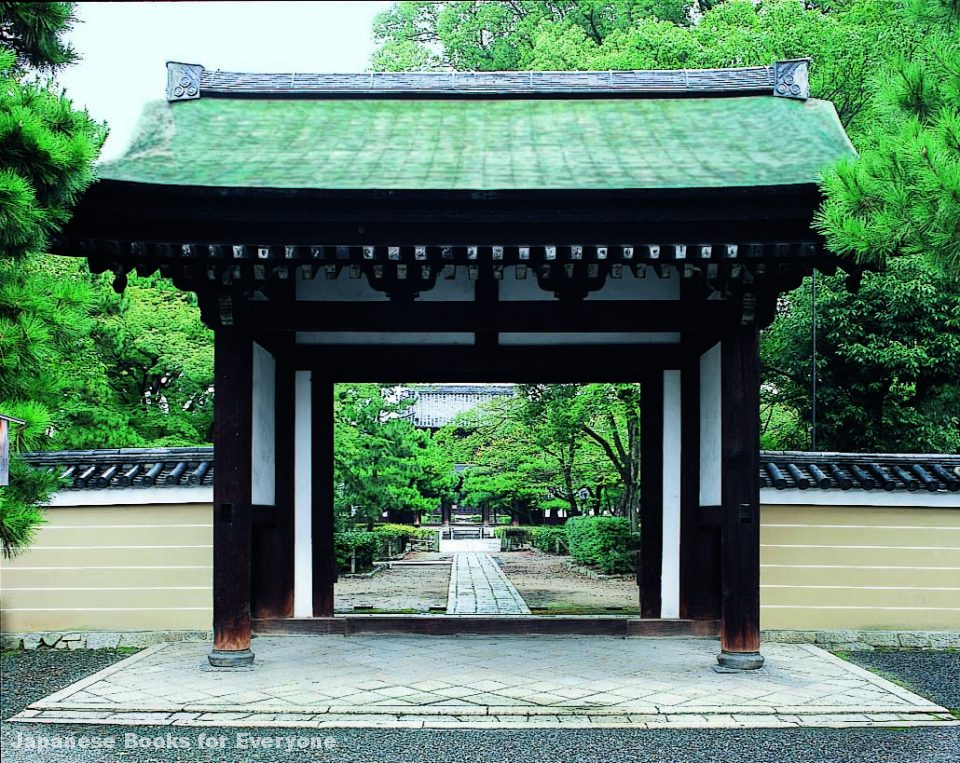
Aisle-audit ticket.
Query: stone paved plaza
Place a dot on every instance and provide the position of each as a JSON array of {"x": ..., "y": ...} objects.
[
  {"x": 479, "y": 587},
  {"x": 484, "y": 682}
]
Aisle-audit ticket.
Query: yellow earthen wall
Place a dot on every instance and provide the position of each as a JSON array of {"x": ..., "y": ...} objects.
[
  {"x": 859, "y": 567},
  {"x": 149, "y": 567},
  {"x": 113, "y": 568}
]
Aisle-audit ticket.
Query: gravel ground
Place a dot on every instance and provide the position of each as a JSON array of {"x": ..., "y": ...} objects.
[
  {"x": 550, "y": 587},
  {"x": 399, "y": 589},
  {"x": 26, "y": 676},
  {"x": 933, "y": 674}
]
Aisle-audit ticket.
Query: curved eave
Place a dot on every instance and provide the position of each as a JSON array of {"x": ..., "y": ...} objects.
[{"x": 475, "y": 194}]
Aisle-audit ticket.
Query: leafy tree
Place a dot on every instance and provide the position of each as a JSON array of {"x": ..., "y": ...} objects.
[
  {"x": 892, "y": 69},
  {"x": 157, "y": 380},
  {"x": 847, "y": 40},
  {"x": 566, "y": 446},
  {"x": 495, "y": 36},
  {"x": 887, "y": 356},
  {"x": 902, "y": 194},
  {"x": 381, "y": 461},
  {"x": 47, "y": 149}
]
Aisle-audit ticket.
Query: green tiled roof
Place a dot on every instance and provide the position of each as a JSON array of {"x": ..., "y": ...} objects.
[{"x": 465, "y": 144}]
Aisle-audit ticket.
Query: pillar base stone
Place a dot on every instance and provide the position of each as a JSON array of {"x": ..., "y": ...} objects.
[
  {"x": 230, "y": 658},
  {"x": 740, "y": 660}
]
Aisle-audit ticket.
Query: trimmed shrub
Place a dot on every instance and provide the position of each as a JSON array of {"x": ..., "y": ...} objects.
[
  {"x": 513, "y": 537},
  {"x": 602, "y": 542},
  {"x": 363, "y": 543},
  {"x": 392, "y": 539},
  {"x": 550, "y": 538}
]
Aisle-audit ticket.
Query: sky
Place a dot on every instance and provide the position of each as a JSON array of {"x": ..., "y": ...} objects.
[{"x": 124, "y": 48}]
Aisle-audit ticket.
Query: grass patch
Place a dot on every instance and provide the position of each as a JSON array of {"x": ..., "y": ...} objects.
[
  {"x": 563, "y": 608},
  {"x": 386, "y": 611}
]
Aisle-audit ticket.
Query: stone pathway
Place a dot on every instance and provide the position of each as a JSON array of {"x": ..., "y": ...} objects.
[
  {"x": 479, "y": 587},
  {"x": 484, "y": 682}
]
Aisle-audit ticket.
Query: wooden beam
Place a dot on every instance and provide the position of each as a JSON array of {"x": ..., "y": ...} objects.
[
  {"x": 232, "y": 497},
  {"x": 740, "y": 531},
  {"x": 651, "y": 492},
  {"x": 530, "y": 317},
  {"x": 421, "y": 363},
  {"x": 324, "y": 560},
  {"x": 113, "y": 209}
]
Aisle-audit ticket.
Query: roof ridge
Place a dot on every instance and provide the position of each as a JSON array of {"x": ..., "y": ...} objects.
[{"x": 788, "y": 79}]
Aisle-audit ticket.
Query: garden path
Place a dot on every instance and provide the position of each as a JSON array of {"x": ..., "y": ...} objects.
[{"x": 479, "y": 587}]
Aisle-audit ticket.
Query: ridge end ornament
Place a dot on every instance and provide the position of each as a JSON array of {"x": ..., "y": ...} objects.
[
  {"x": 791, "y": 79},
  {"x": 183, "y": 81}
]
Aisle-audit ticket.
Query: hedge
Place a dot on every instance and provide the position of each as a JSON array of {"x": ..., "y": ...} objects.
[
  {"x": 407, "y": 532},
  {"x": 550, "y": 538},
  {"x": 602, "y": 542},
  {"x": 513, "y": 537},
  {"x": 365, "y": 545}
]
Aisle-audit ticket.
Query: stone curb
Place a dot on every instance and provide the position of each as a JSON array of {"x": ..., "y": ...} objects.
[
  {"x": 866, "y": 640},
  {"x": 72, "y": 640},
  {"x": 834, "y": 640},
  {"x": 465, "y": 721}
]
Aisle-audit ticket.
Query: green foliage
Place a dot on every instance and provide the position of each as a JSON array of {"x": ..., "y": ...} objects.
[
  {"x": 158, "y": 362},
  {"x": 552, "y": 446},
  {"x": 513, "y": 537},
  {"x": 550, "y": 538},
  {"x": 846, "y": 40},
  {"x": 492, "y": 36},
  {"x": 20, "y": 515},
  {"x": 901, "y": 196},
  {"x": 892, "y": 69},
  {"x": 405, "y": 532},
  {"x": 888, "y": 359},
  {"x": 602, "y": 542},
  {"x": 47, "y": 149},
  {"x": 381, "y": 461},
  {"x": 363, "y": 544}
]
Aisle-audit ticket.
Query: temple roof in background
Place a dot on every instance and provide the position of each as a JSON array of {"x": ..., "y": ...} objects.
[{"x": 436, "y": 405}]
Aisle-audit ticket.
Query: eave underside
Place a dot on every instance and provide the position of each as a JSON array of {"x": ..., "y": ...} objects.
[{"x": 244, "y": 252}]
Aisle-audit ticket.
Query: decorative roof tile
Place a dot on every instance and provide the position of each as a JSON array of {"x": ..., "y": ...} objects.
[{"x": 783, "y": 470}]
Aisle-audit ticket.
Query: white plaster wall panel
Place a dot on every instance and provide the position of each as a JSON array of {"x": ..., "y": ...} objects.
[
  {"x": 711, "y": 440},
  {"x": 263, "y": 440},
  {"x": 302, "y": 498},
  {"x": 670, "y": 572}
]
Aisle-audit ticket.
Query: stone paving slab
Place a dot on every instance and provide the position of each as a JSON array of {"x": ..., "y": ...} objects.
[
  {"x": 484, "y": 682},
  {"x": 479, "y": 587}
]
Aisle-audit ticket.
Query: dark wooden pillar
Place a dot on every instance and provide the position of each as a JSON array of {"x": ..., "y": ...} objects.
[
  {"x": 740, "y": 491},
  {"x": 699, "y": 525},
  {"x": 273, "y": 541},
  {"x": 232, "y": 496},
  {"x": 324, "y": 560},
  {"x": 651, "y": 493}
]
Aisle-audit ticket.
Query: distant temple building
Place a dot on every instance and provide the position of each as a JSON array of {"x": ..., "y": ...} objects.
[{"x": 436, "y": 405}]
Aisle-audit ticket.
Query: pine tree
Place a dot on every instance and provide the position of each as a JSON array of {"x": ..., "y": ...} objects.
[
  {"x": 47, "y": 150},
  {"x": 901, "y": 196}
]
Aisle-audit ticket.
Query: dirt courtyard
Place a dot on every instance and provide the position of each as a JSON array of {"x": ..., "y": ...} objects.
[
  {"x": 551, "y": 588},
  {"x": 401, "y": 589},
  {"x": 544, "y": 581}
]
